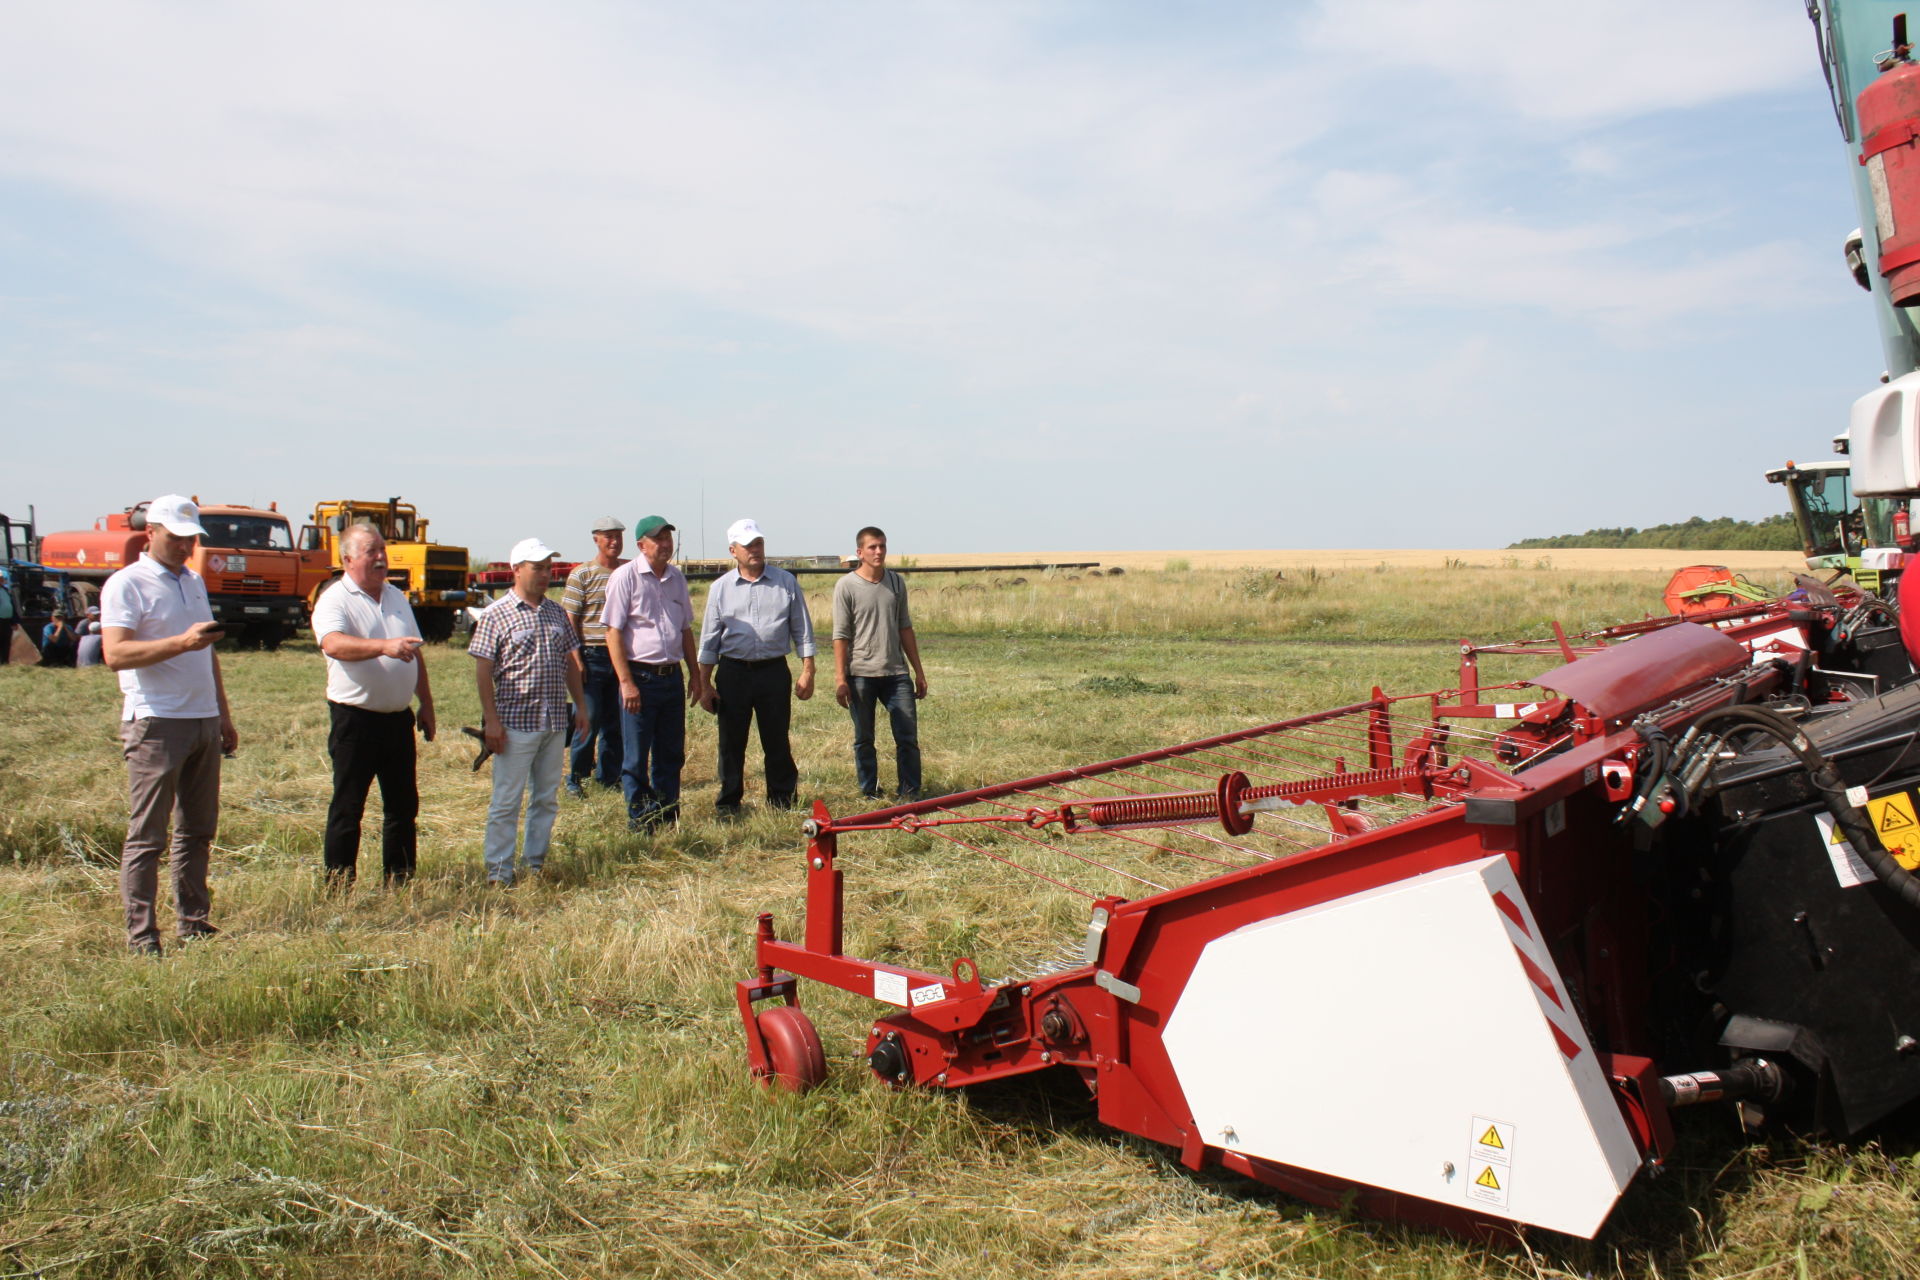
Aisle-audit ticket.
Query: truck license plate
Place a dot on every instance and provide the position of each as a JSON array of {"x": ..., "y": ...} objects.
[{"x": 256, "y": 608}]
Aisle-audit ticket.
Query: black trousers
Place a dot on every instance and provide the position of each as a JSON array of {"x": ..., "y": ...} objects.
[
  {"x": 366, "y": 745},
  {"x": 749, "y": 691}
]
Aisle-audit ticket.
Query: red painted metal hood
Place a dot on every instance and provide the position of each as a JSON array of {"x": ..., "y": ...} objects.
[{"x": 1646, "y": 671}]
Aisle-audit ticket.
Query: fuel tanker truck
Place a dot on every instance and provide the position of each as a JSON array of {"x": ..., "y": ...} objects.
[{"x": 247, "y": 559}]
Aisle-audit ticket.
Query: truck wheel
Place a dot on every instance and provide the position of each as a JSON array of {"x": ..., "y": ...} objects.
[
  {"x": 82, "y": 596},
  {"x": 436, "y": 625},
  {"x": 271, "y": 634}
]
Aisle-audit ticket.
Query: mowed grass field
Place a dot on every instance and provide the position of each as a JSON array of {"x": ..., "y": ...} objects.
[{"x": 445, "y": 1080}]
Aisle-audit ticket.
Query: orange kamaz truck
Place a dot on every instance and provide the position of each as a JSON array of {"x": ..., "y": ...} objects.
[{"x": 247, "y": 558}]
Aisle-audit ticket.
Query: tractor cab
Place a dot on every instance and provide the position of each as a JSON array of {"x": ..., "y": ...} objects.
[{"x": 1839, "y": 531}]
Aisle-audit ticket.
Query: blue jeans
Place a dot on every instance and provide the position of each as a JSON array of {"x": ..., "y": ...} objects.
[
  {"x": 903, "y": 714},
  {"x": 602, "y": 689},
  {"x": 655, "y": 746}
]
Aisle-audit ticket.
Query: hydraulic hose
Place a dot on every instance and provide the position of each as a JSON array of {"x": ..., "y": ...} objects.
[
  {"x": 1833, "y": 792},
  {"x": 1652, "y": 768}
]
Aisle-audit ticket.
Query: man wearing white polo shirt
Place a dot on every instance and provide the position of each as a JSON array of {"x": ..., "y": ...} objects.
[
  {"x": 158, "y": 632},
  {"x": 374, "y": 671}
]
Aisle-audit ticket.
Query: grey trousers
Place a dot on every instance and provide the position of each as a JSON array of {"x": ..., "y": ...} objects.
[{"x": 173, "y": 772}]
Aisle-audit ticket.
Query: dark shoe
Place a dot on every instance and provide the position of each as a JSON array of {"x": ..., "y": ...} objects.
[
  {"x": 147, "y": 948},
  {"x": 782, "y": 803},
  {"x": 726, "y": 813},
  {"x": 198, "y": 932},
  {"x": 870, "y": 795},
  {"x": 494, "y": 882},
  {"x": 575, "y": 790}
]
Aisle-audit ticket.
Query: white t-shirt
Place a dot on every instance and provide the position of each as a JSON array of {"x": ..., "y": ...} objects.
[
  {"x": 153, "y": 602},
  {"x": 378, "y": 684}
]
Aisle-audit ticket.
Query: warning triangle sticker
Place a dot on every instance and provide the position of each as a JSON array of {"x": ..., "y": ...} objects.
[
  {"x": 1491, "y": 1138},
  {"x": 1487, "y": 1180},
  {"x": 1891, "y": 819}
]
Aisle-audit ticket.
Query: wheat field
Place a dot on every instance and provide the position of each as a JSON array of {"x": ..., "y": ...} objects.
[{"x": 444, "y": 1080}]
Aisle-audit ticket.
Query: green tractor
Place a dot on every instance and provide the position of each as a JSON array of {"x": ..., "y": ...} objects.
[{"x": 1864, "y": 538}]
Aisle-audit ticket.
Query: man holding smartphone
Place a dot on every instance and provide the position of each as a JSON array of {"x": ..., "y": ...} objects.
[
  {"x": 158, "y": 632},
  {"x": 375, "y": 670}
]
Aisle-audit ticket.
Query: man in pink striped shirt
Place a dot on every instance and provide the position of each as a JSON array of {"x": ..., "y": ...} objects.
[{"x": 649, "y": 621}]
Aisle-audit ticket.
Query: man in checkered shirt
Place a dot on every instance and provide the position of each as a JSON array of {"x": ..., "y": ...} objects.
[{"x": 526, "y": 660}]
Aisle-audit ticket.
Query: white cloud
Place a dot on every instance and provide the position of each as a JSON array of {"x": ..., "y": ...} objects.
[
  {"x": 776, "y": 220},
  {"x": 1569, "y": 64}
]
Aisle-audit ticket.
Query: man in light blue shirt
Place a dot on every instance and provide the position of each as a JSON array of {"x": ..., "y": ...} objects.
[{"x": 755, "y": 615}]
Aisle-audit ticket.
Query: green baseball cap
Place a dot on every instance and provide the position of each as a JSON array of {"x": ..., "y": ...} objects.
[{"x": 651, "y": 525}]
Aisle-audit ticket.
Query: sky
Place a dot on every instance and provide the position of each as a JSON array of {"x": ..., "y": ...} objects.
[{"x": 993, "y": 276}]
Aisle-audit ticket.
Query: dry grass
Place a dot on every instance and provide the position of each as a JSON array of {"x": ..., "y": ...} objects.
[
  {"x": 1577, "y": 559},
  {"x": 550, "y": 1082}
]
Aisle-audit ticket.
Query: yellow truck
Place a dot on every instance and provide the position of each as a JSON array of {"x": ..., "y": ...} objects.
[{"x": 434, "y": 576}]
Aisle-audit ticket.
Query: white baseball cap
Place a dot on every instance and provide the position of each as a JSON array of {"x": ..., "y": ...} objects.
[
  {"x": 530, "y": 549},
  {"x": 741, "y": 532},
  {"x": 178, "y": 515}
]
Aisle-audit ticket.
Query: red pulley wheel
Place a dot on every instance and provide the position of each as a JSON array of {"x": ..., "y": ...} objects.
[
  {"x": 793, "y": 1049},
  {"x": 1229, "y": 792}
]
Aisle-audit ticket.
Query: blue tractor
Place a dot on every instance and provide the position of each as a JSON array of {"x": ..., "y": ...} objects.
[{"x": 33, "y": 592}]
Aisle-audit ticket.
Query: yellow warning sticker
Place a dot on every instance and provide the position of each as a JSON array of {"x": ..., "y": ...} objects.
[
  {"x": 1899, "y": 830},
  {"x": 1489, "y": 1184},
  {"x": 1490, "y": 1140}
]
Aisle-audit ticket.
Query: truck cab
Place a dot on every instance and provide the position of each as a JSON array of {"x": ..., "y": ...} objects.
[
  {"x": 247, "y": 559},
  {"x": 433, "y": 577}
]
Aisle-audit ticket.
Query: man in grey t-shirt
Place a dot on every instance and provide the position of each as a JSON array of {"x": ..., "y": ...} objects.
[{"x": 873, "y": 646}]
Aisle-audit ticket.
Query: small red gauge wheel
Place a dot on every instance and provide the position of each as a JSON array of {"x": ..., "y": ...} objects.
[{"x": 793, "y": 1047}]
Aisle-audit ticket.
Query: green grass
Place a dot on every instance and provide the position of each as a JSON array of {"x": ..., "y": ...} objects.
[{"x": 447, "y": 1081}]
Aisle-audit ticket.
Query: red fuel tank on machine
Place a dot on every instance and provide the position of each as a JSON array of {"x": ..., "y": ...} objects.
[{"x": 1889, "y": 111}]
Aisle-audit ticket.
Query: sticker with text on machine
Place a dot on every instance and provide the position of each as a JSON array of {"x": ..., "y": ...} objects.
[
  {"x": 929, "y": 995},
  {"x": 1489, "y": 1161},
  {"x": 1893, "y": 819},
  {"x": 1489, "y": 1183},
  {"x": 891, "y": 987},
  {"x": 1491, "y": 1140}
]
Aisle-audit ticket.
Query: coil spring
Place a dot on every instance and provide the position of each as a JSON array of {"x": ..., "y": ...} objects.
[{"x": 1167, "y": 810}]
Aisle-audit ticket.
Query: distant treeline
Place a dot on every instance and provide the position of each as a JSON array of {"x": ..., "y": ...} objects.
[{"x": 1775, "y": 533}]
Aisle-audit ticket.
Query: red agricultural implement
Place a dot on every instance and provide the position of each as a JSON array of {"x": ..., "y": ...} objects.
[{"x": 1452, "y": 958}]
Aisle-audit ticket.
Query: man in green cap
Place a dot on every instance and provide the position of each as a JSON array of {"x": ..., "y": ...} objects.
[{"x": 649, "y": 621}]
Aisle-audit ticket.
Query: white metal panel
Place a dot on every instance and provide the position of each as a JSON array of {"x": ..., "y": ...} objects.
[
  {"x": 1885, "y": 438},
  {"x": 1378, "y": 1037}
]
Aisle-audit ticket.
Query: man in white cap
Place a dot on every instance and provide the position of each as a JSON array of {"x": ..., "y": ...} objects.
[
  {"x": 755, "y": 615},
  {"x": 585, "y": 601},
  {"x": 526, "y": 662},
  {"x": 158, "y": 632},
  {"x": 375, "y": 670}
]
